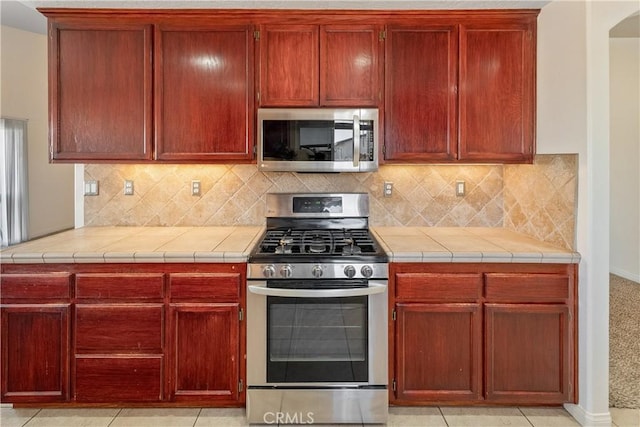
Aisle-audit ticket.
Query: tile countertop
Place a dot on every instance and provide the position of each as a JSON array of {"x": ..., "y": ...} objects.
[
  {"x": 468, "y": 244},
  {"x": 233, "y": 244},
  {"x": 138, "y": 244}
]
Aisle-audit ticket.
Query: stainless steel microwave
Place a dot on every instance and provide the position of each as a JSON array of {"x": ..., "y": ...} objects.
[{"x": 318, "y": 139}]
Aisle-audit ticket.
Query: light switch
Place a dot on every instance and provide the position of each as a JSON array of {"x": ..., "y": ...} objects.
[
  {"x": 91, "y": 188},
  {"x": 460, "y": 190}
]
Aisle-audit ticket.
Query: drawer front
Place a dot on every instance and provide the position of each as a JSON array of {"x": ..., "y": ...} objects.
[
  {"x": 37, "y": 286},
  {"x": 142, "y": 286},
  {"x": 205, "y": 286},
  {"x": 119, "y": 328},
  {"x": 114, "y": 379},
  {"x": 504, "y": 287},
  {"x": 438, "y": 286}
]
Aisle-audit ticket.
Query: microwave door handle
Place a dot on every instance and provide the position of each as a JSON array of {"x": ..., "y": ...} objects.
[
  {"x": 372, "y": 289},
  {"x": 356, "y": 141}
]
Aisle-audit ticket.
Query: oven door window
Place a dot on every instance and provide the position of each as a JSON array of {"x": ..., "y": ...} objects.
[{"x": 317, "y": 340}]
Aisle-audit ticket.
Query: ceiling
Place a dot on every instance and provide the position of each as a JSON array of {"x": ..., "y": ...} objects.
[{"x": 22, "y": 14}]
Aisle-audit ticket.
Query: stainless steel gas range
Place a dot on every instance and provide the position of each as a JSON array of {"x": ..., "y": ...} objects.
[{"x": 317, "y": 314}]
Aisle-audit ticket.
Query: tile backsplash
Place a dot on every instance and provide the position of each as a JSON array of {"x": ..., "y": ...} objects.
[{"x": 424, "y": 195}]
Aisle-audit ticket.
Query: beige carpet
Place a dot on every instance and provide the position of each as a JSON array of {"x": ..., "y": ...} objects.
[{"x": 624, "y": 343}]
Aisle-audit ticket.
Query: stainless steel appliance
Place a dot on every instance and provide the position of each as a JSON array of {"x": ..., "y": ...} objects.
[
  {"x": 318, "y": 139},
  {"x": 317, "y": 314}
]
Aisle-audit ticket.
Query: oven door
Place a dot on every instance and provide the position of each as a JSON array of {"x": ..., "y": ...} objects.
[{"x": 317, "y": 333}]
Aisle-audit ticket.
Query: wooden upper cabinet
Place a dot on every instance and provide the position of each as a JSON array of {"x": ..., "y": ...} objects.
[
  {"x": 421, "y": 65},
  {"x": 100, "y": 86},
  {"x": 350, "y": 65},
  {"x": 204, "y": 93},
  {"x": 326, "y": 65},
  {"x": 497, "y": 91},
  {"x": 289, "y": 65}
]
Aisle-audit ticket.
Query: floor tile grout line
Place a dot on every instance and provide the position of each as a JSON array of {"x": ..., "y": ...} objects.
[
  {"x": 525, "y": 416},
  {"x": 443, "y": 417},
  {"x": 32, "y": 417},
  {"x": 115, "y": 416}
]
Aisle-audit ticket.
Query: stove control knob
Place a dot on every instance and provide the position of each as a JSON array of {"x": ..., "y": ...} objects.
[
  {"x": 350, "y": 271},
  {"x": 366, "y": 271},
  {"x": 316, "y": 271},
  {"x": 285, "y": 271},
  {"x": 268, "y": 271}
]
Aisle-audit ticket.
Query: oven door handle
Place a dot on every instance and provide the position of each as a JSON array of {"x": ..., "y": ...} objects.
[{"x": 372, "y": 289}]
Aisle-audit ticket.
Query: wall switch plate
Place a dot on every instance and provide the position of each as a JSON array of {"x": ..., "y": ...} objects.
[
  {"x": 460, "y": 188},
  {"x": 388, "y": 189},
  {"x": 128, "y": 187},
  {"x": 91, "y": 188},
  {"x": 196, "y": 189}
]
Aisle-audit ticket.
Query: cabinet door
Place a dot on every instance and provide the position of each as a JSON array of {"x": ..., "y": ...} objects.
[
  {"x": 497, "y": 92},
  {"x": 350, "y": 65},
  {"x": 35, "y": 353},
  {"x": 420, "y": 93},
  {"x": 527, "y": 353},
  {"x": 100, "y": 91},
  {"x": 204, "y": 93},
  {"x": 289, "y": 65},
  {"x": 438, "y": 352},
  {"x": 205, "y": 349}
]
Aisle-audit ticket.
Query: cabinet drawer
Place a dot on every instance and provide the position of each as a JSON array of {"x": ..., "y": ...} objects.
[
  {"x": 438, "y": 286},
  {"x": 534, "y": 287},
  {"x": 40, "y": 286},
  {"x": 120, "y": 286},
  {"x": 114, "y": 379},
  {"x": 205, "y": 286},
  {"x": 119, "y": 328}
]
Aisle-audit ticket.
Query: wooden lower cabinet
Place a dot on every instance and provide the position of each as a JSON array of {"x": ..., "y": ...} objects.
[
  {"x": 483, "y": 333},
  {"x": 527, "y": 353},
  {"x": 205, "y": 340},
  {"x": 115, "y": 334},
  {"x": 35, "y": 330},
  {"x": 438, "y": 351}
]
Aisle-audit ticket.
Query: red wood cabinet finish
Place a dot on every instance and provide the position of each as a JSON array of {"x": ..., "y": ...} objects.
[
  {"x": 497, "y": 91},
  {"x": 111, "y": 379},
  {"x": 528, "y": 353},
  {"x": 204, "y": 92},
  {"x": 205, "y": 342},
  {"x": 421, "y": 71},
  {"x": 319, "y": 65},
  {"x": 350, "y": 65},
  {"x": 100, "y": 90},
  {"x": 205, "y": 338},
  {"x": 35, "y": 353},
  {"x": 34, "y": 336},
  {"x": 483, "y": 333},
  {"x": 289, "y": 65},
  {"x": 128, "y": 334},
  {"x": 438, "y": 352}
]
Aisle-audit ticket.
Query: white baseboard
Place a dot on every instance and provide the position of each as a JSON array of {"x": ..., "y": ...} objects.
[
  {"x": 588, "y": 419},
  {"x": 625, "y": 274}
]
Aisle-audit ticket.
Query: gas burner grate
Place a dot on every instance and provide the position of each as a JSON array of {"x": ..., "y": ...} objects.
[{"x": 318, "y": 241}]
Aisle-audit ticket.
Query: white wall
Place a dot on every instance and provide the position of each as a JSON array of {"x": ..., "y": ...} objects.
[
  {"x": 23, "y": 84},
  {"x": 573, "y": 117},
  {"x": 625, "y": 157}
]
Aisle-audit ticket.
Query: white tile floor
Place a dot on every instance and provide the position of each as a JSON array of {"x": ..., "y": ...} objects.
[{"x": 232, "y": 417}]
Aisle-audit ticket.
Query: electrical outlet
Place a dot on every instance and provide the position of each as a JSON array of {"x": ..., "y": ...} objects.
[
  {"x": 196, "y": 189},
  {"x": 91, "y": 188},
  {"x": 460, "y": 188},
  {"x": 388, "y": 189},
  {"x": 128, "y": 187}
]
